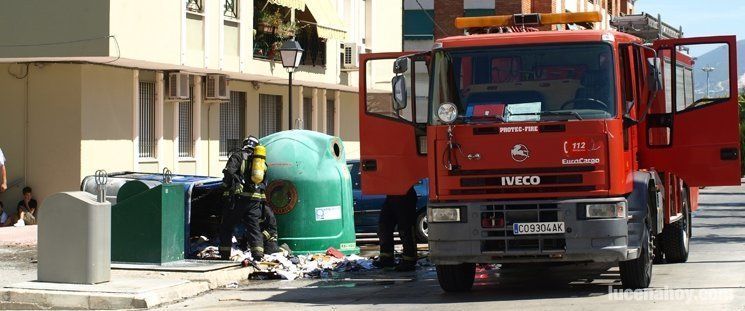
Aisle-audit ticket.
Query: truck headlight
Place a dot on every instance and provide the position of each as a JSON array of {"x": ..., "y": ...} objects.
[
  {"x": 606, "y": 210},
  {"x": 447, "y": 112},
  {"x": 443, "y": 214}
]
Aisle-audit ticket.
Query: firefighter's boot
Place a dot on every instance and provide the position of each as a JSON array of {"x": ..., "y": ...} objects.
[
  {"x": 406, "y": 265},
  {"x": 384, "y": 262},
  {"x": 225, "y": 252}
]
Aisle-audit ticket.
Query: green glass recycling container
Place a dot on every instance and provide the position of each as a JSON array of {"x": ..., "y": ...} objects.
[{"x": 310, "y": 191}]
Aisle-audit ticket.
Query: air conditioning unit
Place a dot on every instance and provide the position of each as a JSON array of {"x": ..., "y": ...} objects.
[
  {"x": 351, "y": 55},
  {"x": 216, "y": 87},
  {"x": 178, "y": 85}
]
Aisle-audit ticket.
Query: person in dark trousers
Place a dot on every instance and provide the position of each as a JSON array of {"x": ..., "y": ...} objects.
[
  {"x": 398, "y": 211},
  {"x": 245, "y": 202}
]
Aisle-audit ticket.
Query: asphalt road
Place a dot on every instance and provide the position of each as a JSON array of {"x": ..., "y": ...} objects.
[{"x": 712, "y": 279}]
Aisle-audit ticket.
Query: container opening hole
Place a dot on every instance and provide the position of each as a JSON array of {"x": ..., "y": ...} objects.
[{"x": 337, "y": 150}]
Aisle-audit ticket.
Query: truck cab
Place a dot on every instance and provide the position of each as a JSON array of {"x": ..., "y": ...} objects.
[{"x": 550, "y": 146}]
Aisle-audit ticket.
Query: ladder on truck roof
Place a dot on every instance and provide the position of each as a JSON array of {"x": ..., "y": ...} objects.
[{"x": 646, "y": 26}]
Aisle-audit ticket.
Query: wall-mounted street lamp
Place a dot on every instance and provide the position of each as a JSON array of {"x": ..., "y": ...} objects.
[{"x": 291, "y": 52}]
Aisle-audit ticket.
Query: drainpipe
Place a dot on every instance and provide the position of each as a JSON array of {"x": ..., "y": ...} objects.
[
  {"x": 209, "y": 137},
  {"x": 25, "y": 129}
]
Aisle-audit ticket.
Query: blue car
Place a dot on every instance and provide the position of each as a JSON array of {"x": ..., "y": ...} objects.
[{"x": 367, "y": 207}]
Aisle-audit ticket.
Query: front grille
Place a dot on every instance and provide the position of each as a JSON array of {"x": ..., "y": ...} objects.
[
  {"x": 522, "y": 190},
  {"x": 531, "y": 180},
  {"x": 525, "y": 170},
  {"x": 498, "y": 237},
  {"x": 497, "y": 181}
]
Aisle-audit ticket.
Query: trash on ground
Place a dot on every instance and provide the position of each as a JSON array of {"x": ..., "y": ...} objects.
[{"x": 285, "y": 265}]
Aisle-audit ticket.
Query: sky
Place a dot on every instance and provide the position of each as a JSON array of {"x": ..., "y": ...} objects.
[{"x": 699, "y": 18}]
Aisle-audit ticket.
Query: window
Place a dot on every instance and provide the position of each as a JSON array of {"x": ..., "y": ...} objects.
[
  {"x": 232, "y": 122},
  {"x": 195, "y": 6},
  {"x": 417, "y": 24},
  {"x": 539, "y": 83},
  {"x": 270, "y": 112},
  {"x": 272, "y": 25},
  {"x": 186, "y": 127},
  {"x": 330, "y": 114},
  {"x": 379, "y": 99},
  {"x": 307, "y": 113},
  {"x": 314, "y": 46},
  {"x": 702, "y": 75},
  {"x": 147, "y": 120},
  {"x": 230, "y": 8}
]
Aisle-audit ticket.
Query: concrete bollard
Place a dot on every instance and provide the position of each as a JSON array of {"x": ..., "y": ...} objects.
[{"x": 74, "y": 242}]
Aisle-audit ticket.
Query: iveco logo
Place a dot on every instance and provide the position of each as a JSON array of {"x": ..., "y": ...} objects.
[
  {"x": 520, "y": 153},
  {"x": 521, "y": 181}
]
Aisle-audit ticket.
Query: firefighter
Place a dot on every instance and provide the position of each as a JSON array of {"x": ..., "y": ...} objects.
[
  {"x": 244, "y": 186},
  {"x": 398, "y": 210}
]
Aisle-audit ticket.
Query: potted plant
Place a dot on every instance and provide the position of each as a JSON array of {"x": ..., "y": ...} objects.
[
  {"x": 268, "y": 22},
  {"x": 286, "y": 30},
  {"x": 273, "y": 49}
]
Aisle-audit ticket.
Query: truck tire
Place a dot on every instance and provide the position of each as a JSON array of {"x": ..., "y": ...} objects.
[
  {"x": 421, "y": 230},
  {"x": 456, "y": 278},
  {"x": 637, "y": 273},
  {"x": 659, "y": 256},
  {"x": 677, "y": 235}
]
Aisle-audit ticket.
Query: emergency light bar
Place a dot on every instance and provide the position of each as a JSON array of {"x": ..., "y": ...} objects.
[{"x": 533, "y": 19}]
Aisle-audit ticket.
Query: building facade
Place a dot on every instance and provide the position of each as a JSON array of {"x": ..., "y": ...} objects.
[
  {"x": 136, "y": 85},
  {"x": 426, "y": 20}
]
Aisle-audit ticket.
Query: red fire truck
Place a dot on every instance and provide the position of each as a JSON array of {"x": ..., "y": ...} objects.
[{"x": 553, "y": 146}]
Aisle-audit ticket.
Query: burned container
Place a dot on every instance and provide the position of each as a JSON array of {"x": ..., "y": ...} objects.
[
  {"x": 147, "y": 223},
  {"x": 310, "y": 191},
  {"x": 151, "y": 221}
]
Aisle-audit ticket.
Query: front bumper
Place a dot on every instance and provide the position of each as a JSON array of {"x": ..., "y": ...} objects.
[{"x": 585, "y": 240}]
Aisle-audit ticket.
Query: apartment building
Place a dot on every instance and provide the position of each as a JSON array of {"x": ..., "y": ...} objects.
[
  {"x": 142, "y": 85},
  {"x": 420, "y": 29}
]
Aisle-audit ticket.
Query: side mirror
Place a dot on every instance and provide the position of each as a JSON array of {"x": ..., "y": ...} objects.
[
  {"x": 401, "y": 65},
  {"x": 628, "y": 106},
  {"x": 654, "y": 80},
  {"x": 399, "y": 92}
]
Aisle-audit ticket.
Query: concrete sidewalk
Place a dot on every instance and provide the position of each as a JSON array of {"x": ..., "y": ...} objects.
[
  {"x": 132, "y": 286},
  {"x": 25, "y": 235},
  {"x": 128, "y": 289}
]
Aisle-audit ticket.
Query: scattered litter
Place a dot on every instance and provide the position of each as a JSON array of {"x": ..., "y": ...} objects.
[
  {"x": 201, "y": 248},
  {"x": 333, "y": 252},
  {"x": 425, "y": 262},
  {"x": 285, "y": 265},
  {"x": 291, "y": 267},
  {"x": 232, "y": 285}
]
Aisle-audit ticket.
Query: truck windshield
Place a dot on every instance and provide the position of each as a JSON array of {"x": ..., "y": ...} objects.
[{"x": 516, "y": 84}]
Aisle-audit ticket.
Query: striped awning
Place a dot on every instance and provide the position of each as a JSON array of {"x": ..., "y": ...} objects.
[
  {"x": 293, "y": 4},
  {"x": 328, "y": 23}
]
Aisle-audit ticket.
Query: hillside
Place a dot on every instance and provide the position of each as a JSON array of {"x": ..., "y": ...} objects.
[{"x": 717, "y": 58}]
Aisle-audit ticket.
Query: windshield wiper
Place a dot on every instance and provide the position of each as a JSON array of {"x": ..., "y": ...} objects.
[{"x": 550, "y": 113}]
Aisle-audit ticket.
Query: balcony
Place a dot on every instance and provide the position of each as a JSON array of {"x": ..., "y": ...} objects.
[{"x": 273, "y": 25}]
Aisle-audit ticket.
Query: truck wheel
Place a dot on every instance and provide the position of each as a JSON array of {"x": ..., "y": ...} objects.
[
  {"x": 658, "y": 254},
  {"x": 456, "y": 278},
  {"x": 422, "y": 227},
  {"x": 637, "y": 273},
  {"x": 677, "y": 235}
]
